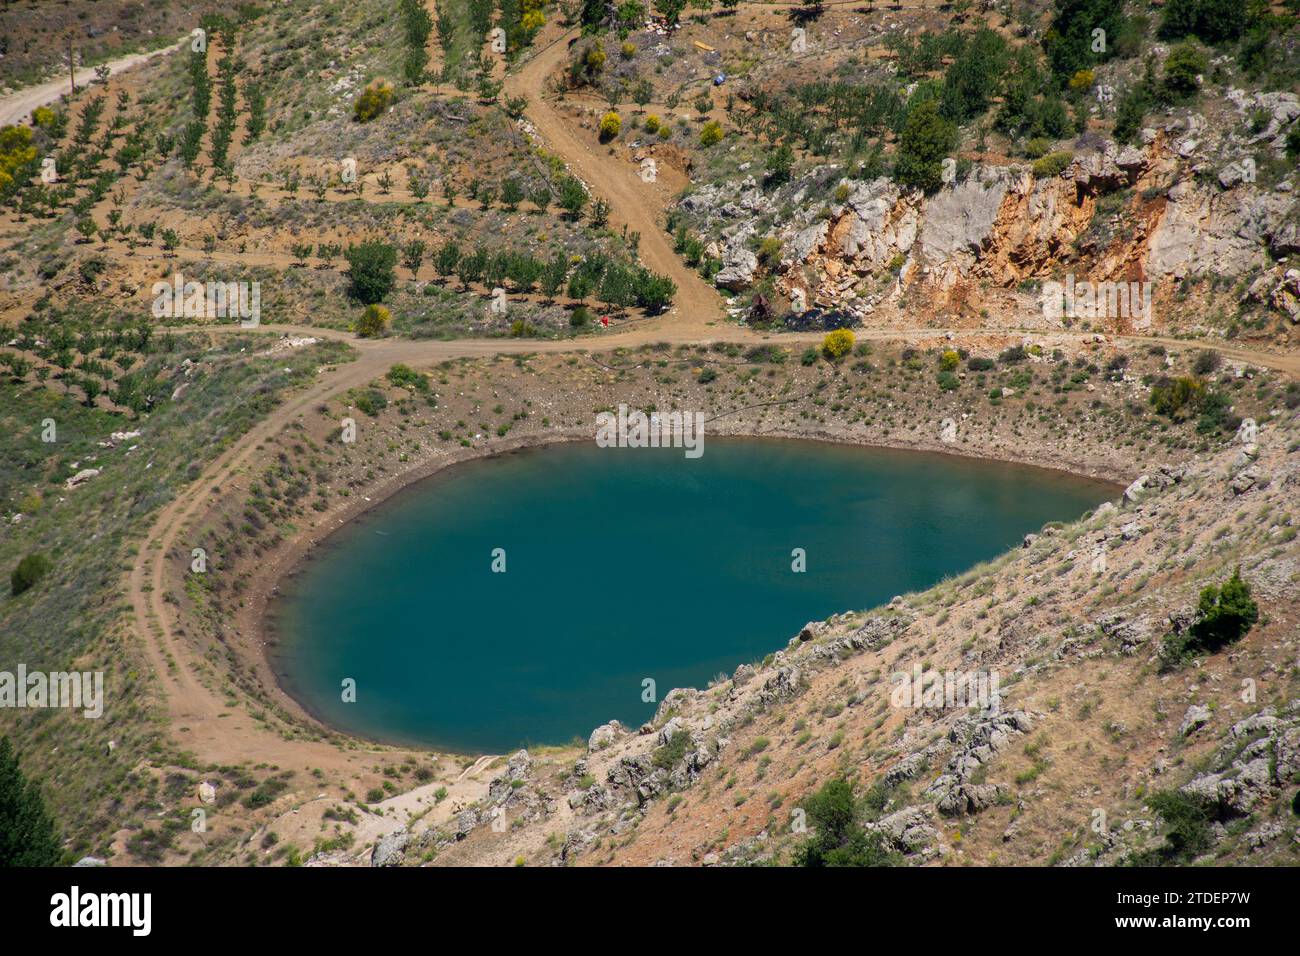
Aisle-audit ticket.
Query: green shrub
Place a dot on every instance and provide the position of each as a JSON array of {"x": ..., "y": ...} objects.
[
  {"x": 1184, "y": 63},
  {"x": 1216, "y": 414},
  {"x": 1224, "y": 615},
  {"x": 371, "y": 401},
  {"x": 30, "y": 570},
  {"x": 672, "y": 753},
  {"x": 265, "y": 793},
  {"x": 1210, "y": 20},
  {"x": 27, "y": 834},
  {"x": 1053, "y": 164},
  {"x": 926, "y": 140},
  {"x": 404, "y": 376},
  {"x": 1187, "y": 819},
  {"x": 838, "y": 838}
]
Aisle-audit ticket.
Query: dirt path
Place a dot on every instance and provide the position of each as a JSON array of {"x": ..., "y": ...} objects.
[
  {"x": 636, "y": 204},
  {"x": 17, "y": 107}
]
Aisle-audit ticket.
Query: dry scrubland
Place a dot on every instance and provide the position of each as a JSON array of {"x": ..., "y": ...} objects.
[{"x": 811, "y": 175}]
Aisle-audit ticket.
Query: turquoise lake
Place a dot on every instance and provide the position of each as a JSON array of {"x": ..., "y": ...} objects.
[{"x": 623, "y": 564}]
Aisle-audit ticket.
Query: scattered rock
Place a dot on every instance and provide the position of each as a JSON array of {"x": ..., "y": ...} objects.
[
  {"x": 1134, "y": 491},
  {"x": 81, "y": 477},
  {"x": 604, "y": 735},
  {"x": 908, "y": 830},
  {"x": 391, "y": 849},
  {"x": 505, "y": 784},
  {"x": 1197, "y": 716}
]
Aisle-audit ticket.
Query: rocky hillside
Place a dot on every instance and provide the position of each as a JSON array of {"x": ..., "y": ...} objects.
[
  {"x": 946, "y": 166},
  {"x": 1103, "y": 747},
  {"x": 867, "y": 247}
]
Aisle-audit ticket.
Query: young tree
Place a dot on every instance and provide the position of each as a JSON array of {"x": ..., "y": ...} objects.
[
  {"x": 573, "y": 196},
  {"x": 27, "y": 834},
  {"x": 418, "y": 185},
  {"x": 642, "y": 93},
  {"x": 471, "y": 266},
  {"x": 779, "y": 165},
  {"x": 512, "y": 193},
  {"x": 413, "y": 256},
  {"x": 523, "y": 271},
  {"x": 541, "y": 197},
  {"x": 927, "y": 139},
  {"x": 974, "y": 76},
  {"x": 670, "y": 10},
  {"x": 372, "y": 270},
  {"x": 446, "y": 259},
  {"x": 654, "y": 292},
  {"x": 554, "y": 274}
]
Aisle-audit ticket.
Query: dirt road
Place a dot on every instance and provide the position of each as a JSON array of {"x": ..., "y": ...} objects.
[
  {"x": 17, "y": 107},
  {"x": 638, "y": 205}
]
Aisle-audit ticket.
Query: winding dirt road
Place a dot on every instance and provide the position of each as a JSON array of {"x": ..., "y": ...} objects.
[{"x": 638, "y": 205}]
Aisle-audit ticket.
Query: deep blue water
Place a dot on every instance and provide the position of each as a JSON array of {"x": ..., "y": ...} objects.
[{"x": 621, "y": 565}]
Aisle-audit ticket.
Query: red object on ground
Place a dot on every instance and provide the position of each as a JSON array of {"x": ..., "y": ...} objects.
[{"x": 604, "y": 320}]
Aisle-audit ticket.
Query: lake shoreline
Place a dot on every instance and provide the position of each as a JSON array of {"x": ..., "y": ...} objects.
[
  {"x": 302, "y": 549},
  {"x": 837, "y": 467}
]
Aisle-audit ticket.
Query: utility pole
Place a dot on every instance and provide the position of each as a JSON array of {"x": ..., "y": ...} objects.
[{"x": 72, "y": 66}]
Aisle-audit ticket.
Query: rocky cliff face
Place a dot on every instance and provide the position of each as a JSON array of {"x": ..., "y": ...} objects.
[{"x": 1177, "y": 207}]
